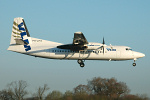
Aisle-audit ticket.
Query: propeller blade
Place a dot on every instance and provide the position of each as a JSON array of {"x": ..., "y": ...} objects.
[
  {"x": 103, "y": 45},
  {"x": 103, "y": 41}
]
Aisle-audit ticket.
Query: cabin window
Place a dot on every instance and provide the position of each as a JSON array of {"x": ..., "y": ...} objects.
[
  {"x": 128, "y": 49},
  {"x": 95, "y": 51}
]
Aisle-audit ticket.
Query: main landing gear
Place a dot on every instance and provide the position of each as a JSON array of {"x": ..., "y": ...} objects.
[{"x": 81, "y": 62}]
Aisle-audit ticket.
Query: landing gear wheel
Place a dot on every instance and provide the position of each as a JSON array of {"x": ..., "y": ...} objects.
[
  {"x": 81, "y": 64},
  {"x": 80, "y": 61},
  {"x": 134, "y": 64}
]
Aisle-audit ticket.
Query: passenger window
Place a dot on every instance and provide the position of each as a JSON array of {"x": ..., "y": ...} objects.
[{"x": 128, "y": 49}]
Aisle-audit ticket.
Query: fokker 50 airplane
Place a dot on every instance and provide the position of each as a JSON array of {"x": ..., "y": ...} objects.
[{"x": 80, "y": 49}]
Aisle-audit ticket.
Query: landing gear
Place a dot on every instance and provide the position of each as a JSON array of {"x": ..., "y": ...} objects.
[
  {"x": 81, "y": 63},
  {"x": 134, "y": 64}
]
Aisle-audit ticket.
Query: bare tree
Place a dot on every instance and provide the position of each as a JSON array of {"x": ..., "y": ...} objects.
[
  {"x": 41, "y": 91},
  {"x": 18, "y": 89},
  {"x": 6, "y": 95}
]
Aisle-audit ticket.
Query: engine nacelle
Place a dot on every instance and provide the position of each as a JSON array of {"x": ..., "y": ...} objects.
[{"x": 93, "y": 46}]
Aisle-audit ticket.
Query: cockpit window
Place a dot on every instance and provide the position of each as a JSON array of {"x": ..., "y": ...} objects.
[{"x": 128, "y": 49}]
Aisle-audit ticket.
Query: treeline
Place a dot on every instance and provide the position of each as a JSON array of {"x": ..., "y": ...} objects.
[{"x": 96, "y": 89}]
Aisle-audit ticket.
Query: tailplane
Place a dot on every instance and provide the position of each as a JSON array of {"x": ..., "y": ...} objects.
[{"x": 20, "y": 34}]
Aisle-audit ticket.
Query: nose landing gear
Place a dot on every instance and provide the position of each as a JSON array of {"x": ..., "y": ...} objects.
[
  {"x": 134, "y": 64},
  {"x": 81, "y": 62}
]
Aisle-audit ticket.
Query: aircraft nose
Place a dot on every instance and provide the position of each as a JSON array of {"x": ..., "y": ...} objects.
[
  {"x": 138, "y": 55},
  {"x": 142, "y": 55}
]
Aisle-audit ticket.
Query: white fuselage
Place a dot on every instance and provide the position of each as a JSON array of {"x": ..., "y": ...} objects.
[{"x": 48, "y": 49}]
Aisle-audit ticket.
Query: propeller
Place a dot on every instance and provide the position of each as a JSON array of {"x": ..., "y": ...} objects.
[
  {"x": 103, "y": 45},
  {"x": 103, "y": 41}
]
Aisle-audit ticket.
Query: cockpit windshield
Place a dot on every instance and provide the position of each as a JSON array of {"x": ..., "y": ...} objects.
[{"x": 128, "y": 49}]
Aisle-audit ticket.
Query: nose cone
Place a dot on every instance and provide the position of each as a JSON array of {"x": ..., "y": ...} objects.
[
  {"x": 142, "y": 55},
  {"x": 138, "y": 55}
]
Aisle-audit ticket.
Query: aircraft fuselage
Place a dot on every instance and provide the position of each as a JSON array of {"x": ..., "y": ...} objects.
[{"x": 48, "y": 49}]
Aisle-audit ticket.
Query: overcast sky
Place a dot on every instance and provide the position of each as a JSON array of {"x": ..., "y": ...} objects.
[{"x": 121, "y": 22}]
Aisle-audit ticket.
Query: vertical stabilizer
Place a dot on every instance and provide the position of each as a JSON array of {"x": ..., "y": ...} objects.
[{"x": 20, "y": 34}]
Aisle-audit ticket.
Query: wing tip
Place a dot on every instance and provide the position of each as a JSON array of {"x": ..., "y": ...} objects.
[{"x": 78, "y": 32}]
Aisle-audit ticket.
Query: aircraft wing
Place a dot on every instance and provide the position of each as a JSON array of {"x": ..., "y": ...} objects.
[
  {"x": 79, "y": 43},
  {"x": 79, "y": 39}
]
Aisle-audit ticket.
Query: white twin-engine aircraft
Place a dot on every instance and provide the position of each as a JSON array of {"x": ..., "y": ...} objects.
[{"x": 79, "y": 50}]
